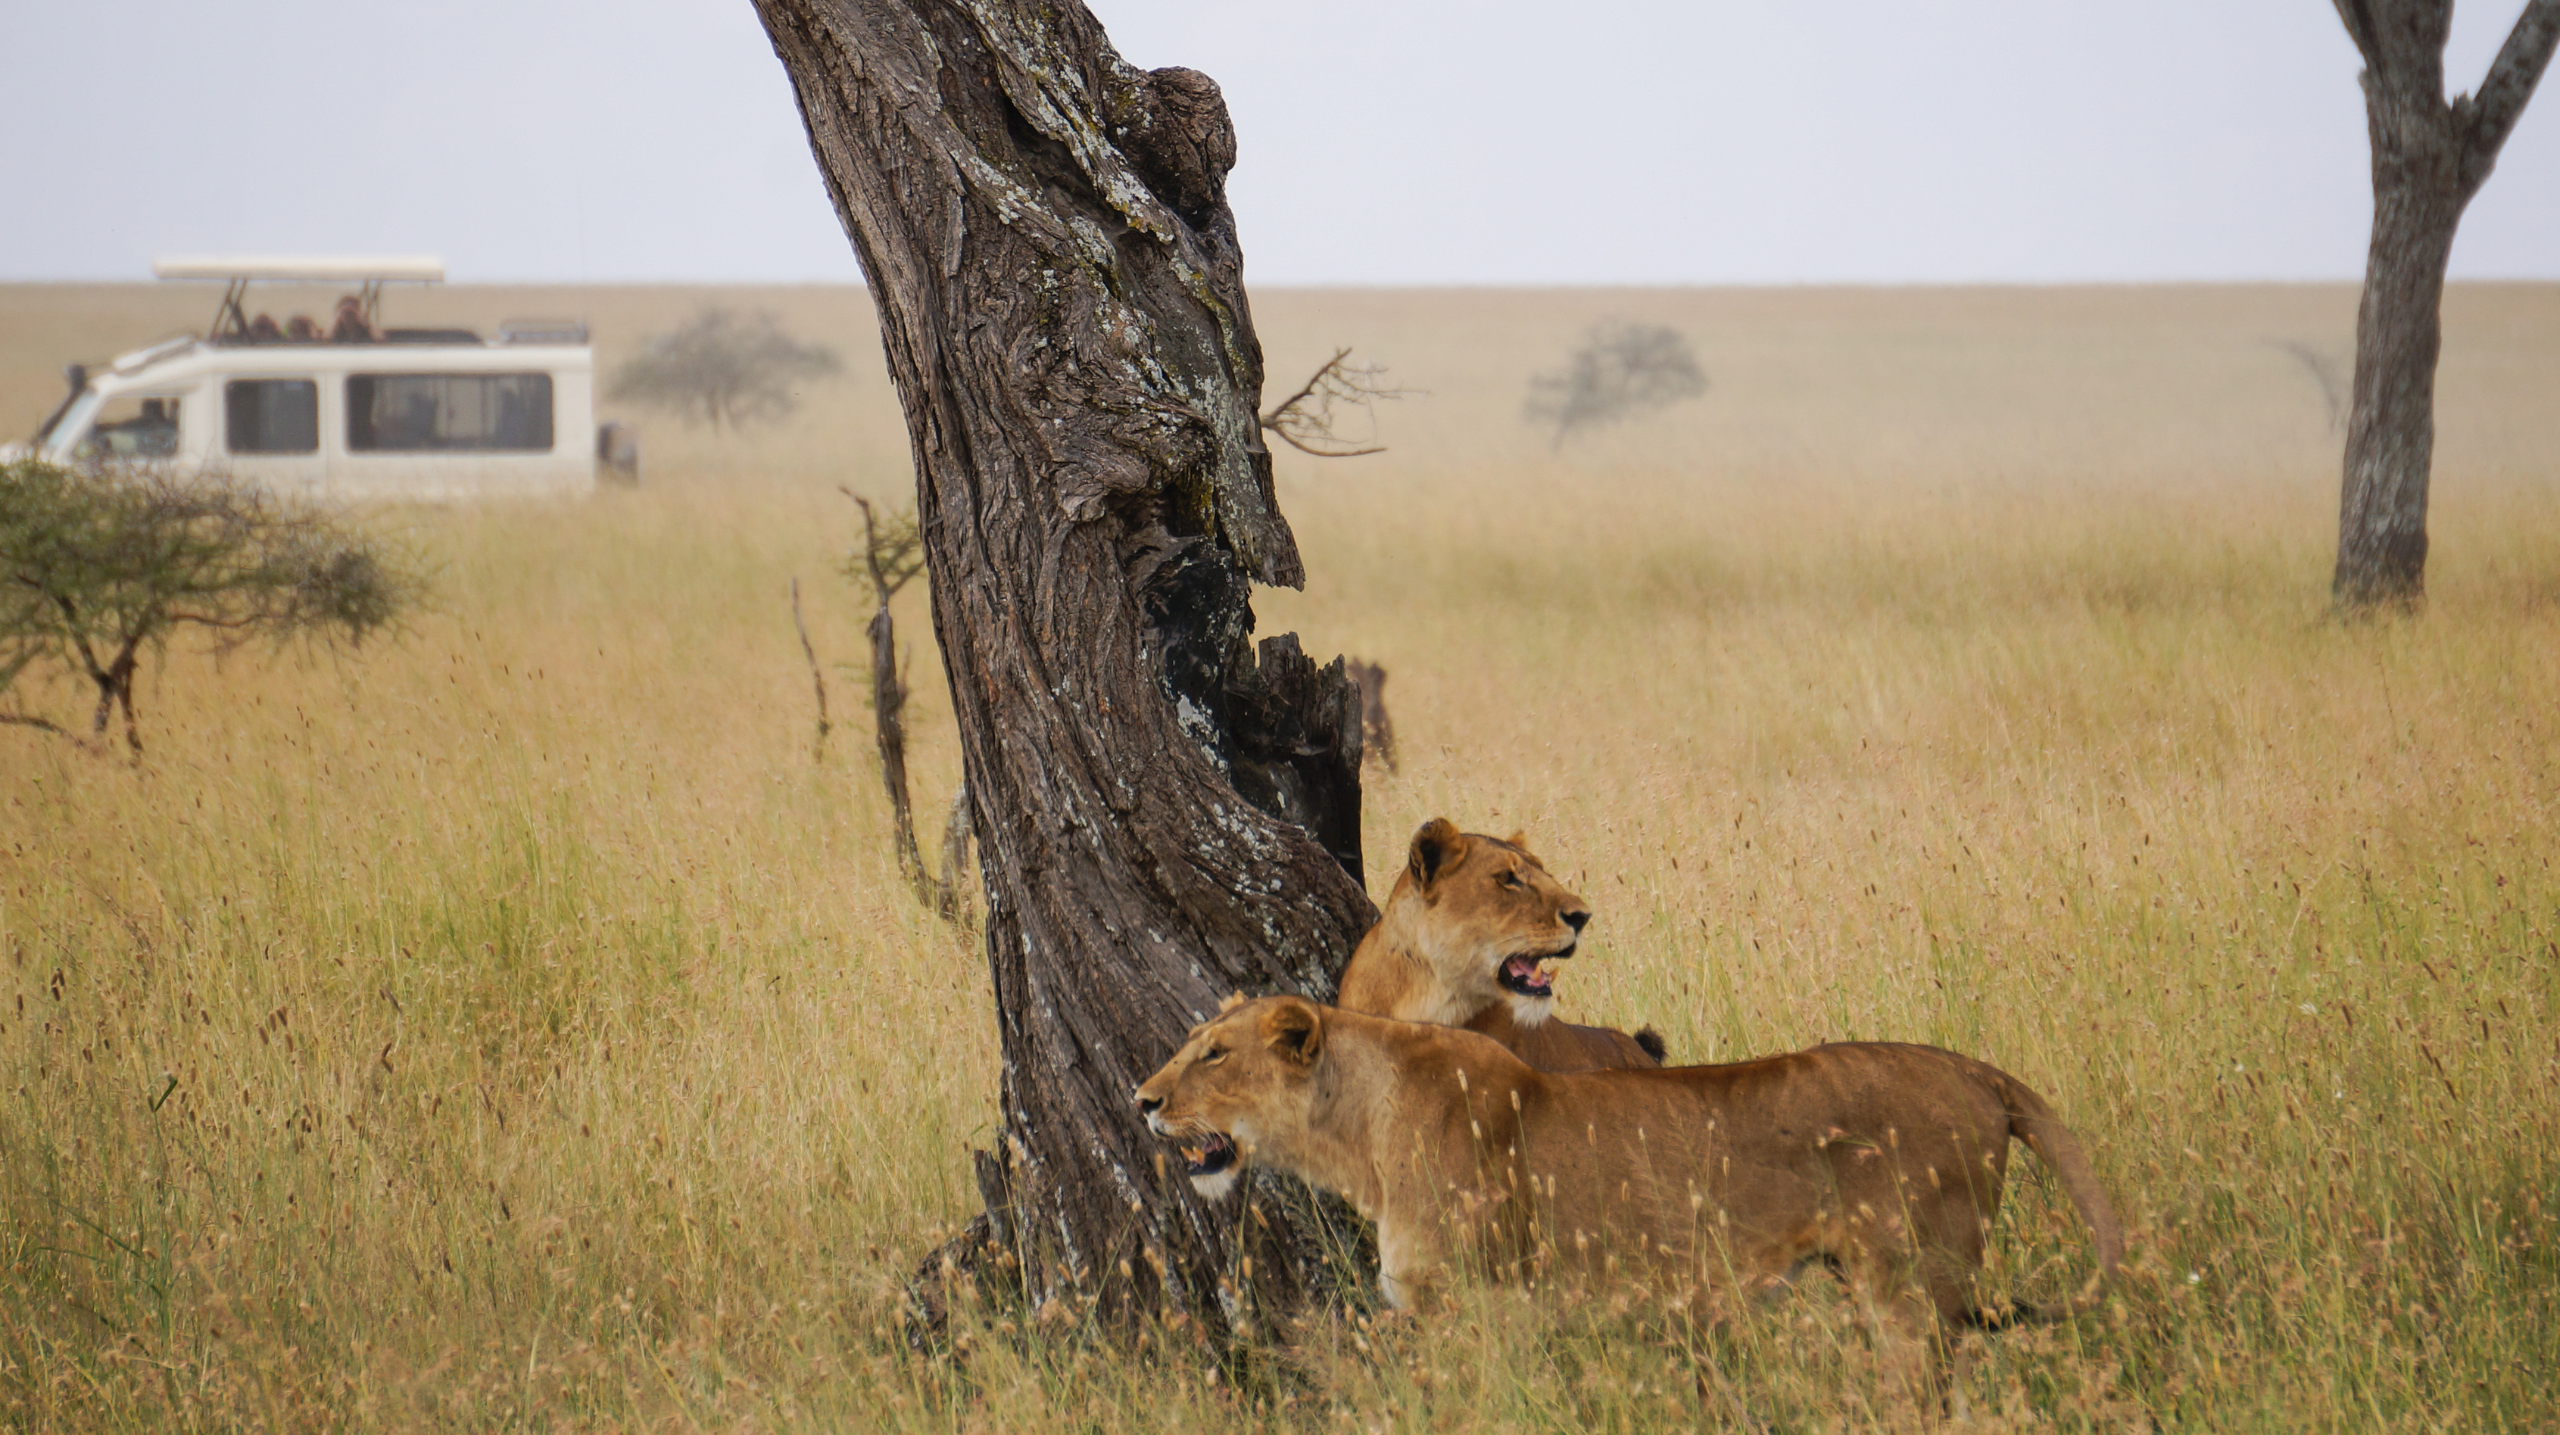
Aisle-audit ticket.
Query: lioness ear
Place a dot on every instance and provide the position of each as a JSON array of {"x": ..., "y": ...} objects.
[
  {"x": 1436, "y": 847},
  {"x": 1294, "y": 1029},
  {"x": 1234, "y": 1000}
]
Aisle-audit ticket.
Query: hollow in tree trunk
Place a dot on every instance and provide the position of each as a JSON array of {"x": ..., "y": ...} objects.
[{"x": 1163, "y": 814}]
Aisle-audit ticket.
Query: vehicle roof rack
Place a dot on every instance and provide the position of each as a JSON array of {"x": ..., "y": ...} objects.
[
  {"x": 542, "y": 331},
  {"x": 237, "y": 271},
  {"x": 318, "y": 268}
]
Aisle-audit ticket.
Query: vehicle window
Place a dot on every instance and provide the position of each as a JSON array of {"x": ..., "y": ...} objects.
[
  {"x": 271, "y": 415},
  {"x": 132, "y": 426},
  {"x": 411, "y": 412}
]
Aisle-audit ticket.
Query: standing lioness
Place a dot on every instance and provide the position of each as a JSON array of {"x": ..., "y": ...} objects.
[
  {"x": 1882, "y": 1160},
  {"x": 1468, "y": 938}
]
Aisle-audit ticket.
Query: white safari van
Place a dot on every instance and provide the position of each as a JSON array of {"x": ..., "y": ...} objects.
[{"x": 340, "y": 406}]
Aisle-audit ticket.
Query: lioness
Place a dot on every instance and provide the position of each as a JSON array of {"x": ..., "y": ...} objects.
[
  {"x": 1463, "y": 942},
  {"x": 1881, "y": 1160}
]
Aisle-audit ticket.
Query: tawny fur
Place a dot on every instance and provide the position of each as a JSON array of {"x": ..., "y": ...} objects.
[
  {"x": 1464, "y": 904},
  {"x": 1882, "y": 1160}
]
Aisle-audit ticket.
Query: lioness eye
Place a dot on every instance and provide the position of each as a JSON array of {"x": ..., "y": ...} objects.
[
  {"x": 1512, "y": 879},
  {"x": 1215, "y": 1053}
]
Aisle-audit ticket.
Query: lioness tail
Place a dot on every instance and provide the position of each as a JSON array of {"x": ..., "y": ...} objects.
[{"x": 2033, "y": 1122}]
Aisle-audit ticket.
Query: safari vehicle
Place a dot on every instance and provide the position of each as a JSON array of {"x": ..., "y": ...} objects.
[{"x": 342, "y": 409}]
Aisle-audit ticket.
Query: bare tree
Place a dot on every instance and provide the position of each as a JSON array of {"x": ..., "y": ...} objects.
[
  {"x": 2429, "y": 159},
  {"x": 892, "y": 555},
  {"x": 817, "y": 678},
  {"x": 1310, "y": 419},
  {"x": 1622, "y": 370},
  {"x": 724, "y": 369},
  {"x": 1164, "y": 814},
  {"x": 96, "y": 567}
]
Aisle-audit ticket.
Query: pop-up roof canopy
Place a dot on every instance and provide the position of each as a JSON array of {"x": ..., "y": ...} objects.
[
  {"x": 318, "y": 268},
  {"x": 237, "y": 272}
]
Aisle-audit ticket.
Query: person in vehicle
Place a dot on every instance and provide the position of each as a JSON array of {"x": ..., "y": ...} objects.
[
  {"x": 350, "y": 326},
  {"x": 151, "y": 433}
]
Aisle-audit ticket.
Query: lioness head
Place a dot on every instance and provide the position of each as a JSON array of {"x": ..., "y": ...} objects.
[
  {"x": 1240, "y": 1081},
  {"x": 1487, "y": 917}
]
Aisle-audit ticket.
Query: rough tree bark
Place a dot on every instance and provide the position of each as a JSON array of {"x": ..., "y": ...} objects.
[
  {"x": 2429, "y": 159},
  {"x": 1162, "y": 817}
]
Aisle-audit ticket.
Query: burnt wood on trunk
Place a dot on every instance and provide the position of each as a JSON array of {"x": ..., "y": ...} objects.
[
  {"x": 2429, "y": 158},
  {"x": 1164, "y": 814}
]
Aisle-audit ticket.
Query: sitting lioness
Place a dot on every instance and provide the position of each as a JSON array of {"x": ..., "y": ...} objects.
[
  {"x": 1464, "y": 941},
  {"x": 1881, "y": 1160}
]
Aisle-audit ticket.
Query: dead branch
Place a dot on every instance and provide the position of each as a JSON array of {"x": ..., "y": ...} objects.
[
  {"x": 892, "y": 555},
  {"x": 2324, "y": 371},
  {"x": 1306, "y": 420},
  {"x": 892, "y": 551},
  {"x": 39, "y": 724},
  {"x": 818, "y": 747}
]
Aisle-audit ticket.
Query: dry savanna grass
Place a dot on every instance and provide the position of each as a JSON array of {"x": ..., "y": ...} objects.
[{"x": 513, "y": 1025}]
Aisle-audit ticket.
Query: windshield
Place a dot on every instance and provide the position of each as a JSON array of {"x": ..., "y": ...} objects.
[{"x": 132, "y": 426}]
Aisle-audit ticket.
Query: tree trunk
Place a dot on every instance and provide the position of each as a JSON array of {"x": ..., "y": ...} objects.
[
  {"x": 2429, "y": 159},
  {"x": 1046, "y": 236},
  {"x": 115, "y": 689},
  {"x": 2417, "y": 202}
]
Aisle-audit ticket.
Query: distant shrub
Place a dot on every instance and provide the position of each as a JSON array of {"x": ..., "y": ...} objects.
[{"x": 1623, "y": 370}]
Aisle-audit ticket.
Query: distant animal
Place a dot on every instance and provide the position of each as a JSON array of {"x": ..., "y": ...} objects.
[
  {"x": 1465, "y": 940},
  {"x": 1880, "y": 1161}
]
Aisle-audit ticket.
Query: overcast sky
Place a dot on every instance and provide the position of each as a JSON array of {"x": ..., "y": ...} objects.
[{"x": 1596, "y": 142}]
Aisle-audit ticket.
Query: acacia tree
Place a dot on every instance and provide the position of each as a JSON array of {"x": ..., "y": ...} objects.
[
  {"x": 724, "y": 369},
  {"x": 97, "y": 567},
  {"x": 2429, "y": 159},
  {"x": 1164, "y": 815},
  {"x": 1620, "y": 371}
]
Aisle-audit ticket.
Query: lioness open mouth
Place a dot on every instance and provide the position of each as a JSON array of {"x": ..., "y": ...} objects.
[
  {"x": 1209, "y": 1158},
  {"x": 1521, "y": 974}
]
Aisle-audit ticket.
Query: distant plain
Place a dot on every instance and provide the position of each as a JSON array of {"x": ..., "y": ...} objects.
[{"x": 555, "y": 1045}]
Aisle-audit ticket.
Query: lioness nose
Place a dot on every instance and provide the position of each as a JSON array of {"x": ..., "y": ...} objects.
[
  {"x": 1148, "y": 1104},
  {"x": 1575, "y": 919}
]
